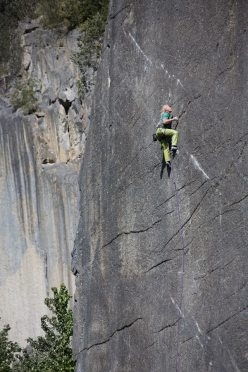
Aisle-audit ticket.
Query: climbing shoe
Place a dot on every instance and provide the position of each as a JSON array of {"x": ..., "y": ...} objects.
[{"x": 174, "y": 150}]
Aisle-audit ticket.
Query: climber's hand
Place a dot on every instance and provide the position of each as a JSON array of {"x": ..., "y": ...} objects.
[{"x": 175, "y": 118}]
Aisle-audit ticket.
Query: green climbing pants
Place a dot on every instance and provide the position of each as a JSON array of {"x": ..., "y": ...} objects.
[{"x": 162, "y": 135}]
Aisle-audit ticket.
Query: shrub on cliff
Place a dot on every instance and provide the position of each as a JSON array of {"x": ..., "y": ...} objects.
[
  {"x": 70, "y": 13},
  {"x": 89, "y": 47},
  {"x": 11, "y": 12},
  {"x": 23, "y": 96},
  {"x": 51, "y": 352},
  {"x": 8, "y": 350}
]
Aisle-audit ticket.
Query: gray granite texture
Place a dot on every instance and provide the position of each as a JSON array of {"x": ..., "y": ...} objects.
[{"x": 161, "y": 261}]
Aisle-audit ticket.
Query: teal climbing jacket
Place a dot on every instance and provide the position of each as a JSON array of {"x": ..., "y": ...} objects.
[{"x": 165, "y": 115}]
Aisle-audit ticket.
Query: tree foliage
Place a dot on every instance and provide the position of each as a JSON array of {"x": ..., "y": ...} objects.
[
  {"x": 51, "y": 352},
  {"x": 8, "y": 350},
  {"x": 90, "y": 44},
  {"x": 11, "y": 12},
  {"x": 66, "y": 13},
  {"x": 48, "y": 353},
  {"x": 23, "y": 96}
]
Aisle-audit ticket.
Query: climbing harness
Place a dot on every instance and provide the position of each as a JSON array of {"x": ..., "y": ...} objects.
[{"x": 154, "y": 137}]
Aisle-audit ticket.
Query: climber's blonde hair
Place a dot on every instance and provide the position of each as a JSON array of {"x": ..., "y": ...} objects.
[{"x": 166, "y": 108}]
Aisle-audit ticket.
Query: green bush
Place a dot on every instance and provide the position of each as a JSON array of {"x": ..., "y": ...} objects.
[
  {"x": 51, "y": 352},
  {"x": 70, "y": 13},
  {"x": 11, "y": 12},
  {"x": 8, "y": 350},
  {"x": 90, "y": 44},
  {"x": 24, "y": 96}
]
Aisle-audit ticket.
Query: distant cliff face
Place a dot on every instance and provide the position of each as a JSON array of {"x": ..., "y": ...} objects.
[
  {"x": 161, "y": 263},
  {"x": 39, "y": 164}
]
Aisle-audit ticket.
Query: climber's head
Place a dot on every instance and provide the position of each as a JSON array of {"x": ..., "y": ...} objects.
[{"x": 166, "y": 108}]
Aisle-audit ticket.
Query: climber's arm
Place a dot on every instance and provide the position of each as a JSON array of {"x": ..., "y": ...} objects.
[{"x": 169, "y": 121}]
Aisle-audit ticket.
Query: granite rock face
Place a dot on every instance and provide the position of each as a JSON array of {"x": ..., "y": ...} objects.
[
  {"x": 161, "y": 261},
  {"x": 39, "y": 165}
]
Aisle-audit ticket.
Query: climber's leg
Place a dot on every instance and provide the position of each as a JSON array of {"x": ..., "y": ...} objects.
[
  {"x": 174, "y": 136},
  {"x": 162, "y": 133},
  {"x": 166, "y": 150}
]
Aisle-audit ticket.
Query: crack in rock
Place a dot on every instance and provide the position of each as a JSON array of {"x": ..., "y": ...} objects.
[
  {"x": 168, "y": 326},
  {"x": 160, "y": 263},
  {"x": 164, "y": 202},
  {"x": 227, "y": 69},
  {"x": 187, "y": 184},
  {"x": 238, "y": 201},
  {"x": 188, "y": 219},
  {"x": 29, "y": 30},
  {"x": 226, "y": 320},
  {"x": 113, "y": 16},
  {"x": 131, "y": 232},
  {"x": 112, "y": 335},
  {"x": 198, "y": 188},
  {"x": 220, "y": 267}
]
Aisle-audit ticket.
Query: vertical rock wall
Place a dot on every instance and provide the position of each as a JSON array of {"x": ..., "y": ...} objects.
[
  {"x": 39, "y": 164},
  {"x": 161, "y": 262}
]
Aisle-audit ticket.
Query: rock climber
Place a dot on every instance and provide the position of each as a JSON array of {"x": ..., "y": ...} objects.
[{"x": 164, "y": 133}]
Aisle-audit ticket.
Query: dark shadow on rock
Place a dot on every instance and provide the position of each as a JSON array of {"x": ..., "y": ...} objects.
[{"x": 163, "y": 165}]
